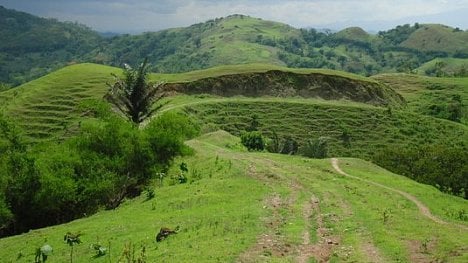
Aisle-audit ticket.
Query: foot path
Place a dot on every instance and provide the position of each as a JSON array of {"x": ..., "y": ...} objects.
[{"x": 422, "y": 208}]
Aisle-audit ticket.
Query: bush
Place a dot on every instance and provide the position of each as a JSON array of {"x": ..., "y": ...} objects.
[
  {"x": 290, "y": 146},
  {"x": 441, "y": 166},
  {"x": 109, "y": 160},
  {"x": 316, "y": 148},
  {"x": 253, "y": 141}
]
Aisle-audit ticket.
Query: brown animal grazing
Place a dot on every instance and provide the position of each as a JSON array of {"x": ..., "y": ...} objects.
[{"x": 165, "y": 232}]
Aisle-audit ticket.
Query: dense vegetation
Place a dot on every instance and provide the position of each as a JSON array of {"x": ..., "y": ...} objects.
[
  {"x": 33, "y": 46},
  {"x": 442, "y": 97},
  {"x": 39, "y": 45},
  {"x": 438, "y": 165},
  {"x": 108, "y": 161}
]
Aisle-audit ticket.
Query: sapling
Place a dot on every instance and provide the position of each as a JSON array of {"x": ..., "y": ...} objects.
[{"x": 71, "y": 240}]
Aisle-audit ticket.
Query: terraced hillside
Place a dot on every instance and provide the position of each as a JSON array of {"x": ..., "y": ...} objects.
[
  {"x": 429, "y": 95},
  {"x": 256, "y": 207},
  {"x": 352, "y": 130},
  {"x": 48, "y": 107}
]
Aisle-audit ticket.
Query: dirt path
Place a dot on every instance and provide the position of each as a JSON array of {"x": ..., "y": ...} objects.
[
  {"x": 322, "y": 250},
  {"x": 422, "y": 208}
]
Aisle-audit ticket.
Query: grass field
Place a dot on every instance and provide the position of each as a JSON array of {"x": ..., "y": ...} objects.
[
  {"x": 422, "y": 92},
  {"x": 248, "y": 68},
  {"x": 256, "y": 207},
  {"x": 48, "y": 107},
  {"x": 370, "y": 129}
]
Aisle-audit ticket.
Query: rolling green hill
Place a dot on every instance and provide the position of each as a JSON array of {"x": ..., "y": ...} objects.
[
  {"x": 433, "y": 37},
  {"x": 49, "y": 107},
  {"x": 431, "y": 96},
  {"x": 249, "y": 207},
  {"x": 33, "y": 46}
]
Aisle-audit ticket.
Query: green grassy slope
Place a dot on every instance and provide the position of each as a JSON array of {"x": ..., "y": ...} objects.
[
  {"x": 450, "y": 67},
  {"x": 250, "y": 207},
  {"x": 369, "y": 128},
  {"x": 48, "y": 106},
  {"x": 221, "y": 41},
  {"x": 354, "y": 34},
  {"x": 433, "y": 37},
  {"x": 422, "y": 92},
  {"x": 224, "y": 70}
]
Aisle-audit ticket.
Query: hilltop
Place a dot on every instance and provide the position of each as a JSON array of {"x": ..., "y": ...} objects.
[
  {"x": 43, "y": 116},
  {"x": 438, "y": 38},
  {"x": 42, "y": 45}
]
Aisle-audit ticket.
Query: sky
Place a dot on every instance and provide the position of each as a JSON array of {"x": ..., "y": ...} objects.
[{"x": 126, "y": 16}]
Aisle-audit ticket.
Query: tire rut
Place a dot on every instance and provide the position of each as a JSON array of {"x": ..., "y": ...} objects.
[{"x": 424, "y": 210}]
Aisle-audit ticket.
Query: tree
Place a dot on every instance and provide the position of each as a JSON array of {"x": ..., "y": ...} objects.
[{"x": 134, "y": 95}]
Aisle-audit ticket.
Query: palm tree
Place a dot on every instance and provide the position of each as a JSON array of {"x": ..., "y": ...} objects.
[{"x": 134, "y": 95}]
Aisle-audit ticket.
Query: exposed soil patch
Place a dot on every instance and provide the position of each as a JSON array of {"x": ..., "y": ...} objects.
[
  {"x": 372, "y": 252},
  {"x": 420, "y": 251},
  {"x": 288, "y": 84},
  {"x": 322, "y": 250},
  {"x": 271, "y": 243}
]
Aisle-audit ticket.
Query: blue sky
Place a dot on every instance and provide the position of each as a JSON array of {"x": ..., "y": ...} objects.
[{"x": 126, "y": 16}]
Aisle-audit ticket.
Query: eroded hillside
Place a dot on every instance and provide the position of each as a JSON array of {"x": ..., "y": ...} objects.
[{"x": 278, "y": 83}]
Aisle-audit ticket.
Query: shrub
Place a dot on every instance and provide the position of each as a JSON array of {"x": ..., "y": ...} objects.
[
  {"x": 253, "y": 141},
  {"x": 273, "y": 144},
  {"x": 316, "y": 148},
  {"x": 289, "y": 146},
  {"x": 110, "y": 159},
  {"x": 438, "y": 165}
]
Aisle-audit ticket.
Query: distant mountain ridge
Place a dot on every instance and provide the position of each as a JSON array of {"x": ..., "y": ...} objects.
[{"x": 34, "y": 46}]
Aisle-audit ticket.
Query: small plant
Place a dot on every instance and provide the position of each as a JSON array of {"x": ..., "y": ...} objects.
[
  {"x": 195, "y": 175},
  {"x": 425, "y": 245},
  {"x": 100, "y": 250},
  {"x": 273, "y": 145},
  {"x": 43, "y": 253},
  {"x": 161, "y": 178},
  {"x": 128, "y": 254},
  {"x": 386, "y": 215},
  {"x": 71, "y": 240},
  {"x": 183, "y": 170},
  {"x": 150, "y": 194}
]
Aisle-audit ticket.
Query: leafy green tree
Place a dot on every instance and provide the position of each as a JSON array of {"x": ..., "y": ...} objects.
[{"x": 134, "y": 95}]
